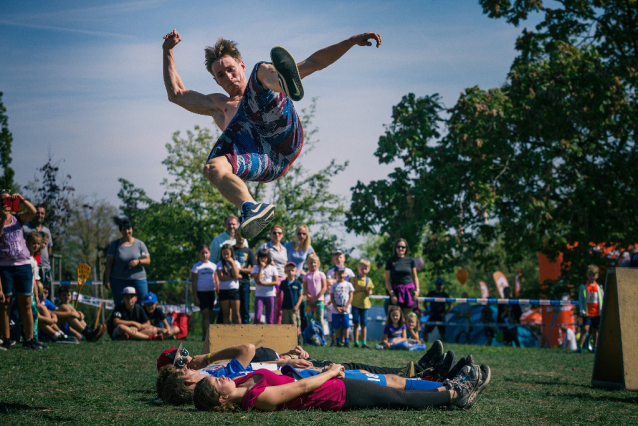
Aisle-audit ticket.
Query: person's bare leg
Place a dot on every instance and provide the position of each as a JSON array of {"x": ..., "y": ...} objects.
[
  {"x": 234, "y": 305},
  {"x": 4, "y": 317},
  {"x": 134, "y": 333},
  {"x": 583, "y": 335},
  {"x": 268, "y": 77},
  {"x": 219, "y": 172},
  {"x": 355, "y": 330},
  {"x": 24, "y": 304},
  {"x": 76, "y": 324},
  {"x": 205, "y": 320},
  {"x": 149, "y": 331},
  {"x": 47, "y": 328},
  {"x": 364, "y": 333},
  {"x": 226, "y": 311}
]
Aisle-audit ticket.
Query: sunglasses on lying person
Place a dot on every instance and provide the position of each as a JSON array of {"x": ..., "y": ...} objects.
[{"x": 180, "y": 362}]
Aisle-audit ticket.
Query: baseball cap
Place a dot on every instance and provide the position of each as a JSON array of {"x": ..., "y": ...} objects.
[
  {"x": 340, "y": 268},
  {"x": 439, "y": 281},
  {"x": 291, "y": 264},
  {"x": 149, "y": 298},
  {"x": 129, "y": 290},
  {"x": 168, "y": 357},
  {"x": 337, "y": 251}
]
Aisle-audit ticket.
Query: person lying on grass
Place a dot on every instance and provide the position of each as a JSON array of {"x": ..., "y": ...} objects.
[
  {"x": 332, "y": 391},
  {"x": 176, "y": 386}
]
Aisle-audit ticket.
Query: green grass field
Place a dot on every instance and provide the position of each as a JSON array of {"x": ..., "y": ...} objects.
[{"x": 114, "y": 383}]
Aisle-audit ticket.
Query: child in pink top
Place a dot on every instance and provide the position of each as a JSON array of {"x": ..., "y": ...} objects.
[{"x": 314, "y": 288}]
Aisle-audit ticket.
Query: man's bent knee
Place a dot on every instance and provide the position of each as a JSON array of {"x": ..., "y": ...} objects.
[{"x": 217, "y": 168}]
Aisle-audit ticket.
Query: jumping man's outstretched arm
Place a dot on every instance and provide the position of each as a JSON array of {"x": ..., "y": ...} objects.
[
  {"x": 177, "y": 93},
  {"x": 328, "y": 55}
]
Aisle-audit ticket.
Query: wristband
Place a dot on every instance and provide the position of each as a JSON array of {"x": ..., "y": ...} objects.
[{"x": 208, "y": 358}]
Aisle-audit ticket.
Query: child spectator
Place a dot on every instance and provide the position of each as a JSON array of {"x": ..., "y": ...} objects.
[
  {"x": 590, "y": 298},
  {"x": 204, "y": 283},
  {"x": 35, "y": 244},
  {"x": 361, "y": 302},
  {"x": 71, "y": 321},
  {"x": 338, "y": 259},
  {"x": 228, "y": 275},
  {"x": 487, "y": 317},
  {"x": 569, "y": 338},
  {"x": 292, "y": 298},
  {"x": 394, "y": 332},
  {"x": 265, "y": 276},
  {"x": 156, "y": 316},
  {"x": 48, "y": 321},
  {"x": 246, "y": 258},
  {"x": 315, "y": 287},
  {"x": 129, "y": 320},
  {"x": 341, "y": 294},
  {"x": 413, "y": 329}
]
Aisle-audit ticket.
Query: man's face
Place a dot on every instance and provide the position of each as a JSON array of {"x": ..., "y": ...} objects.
[
  {"x": 231, "y": 226},
  {"x": 129, "y": 300},
  {"x": 39, "y": 215},
  {"x": 230, "y": 75}
]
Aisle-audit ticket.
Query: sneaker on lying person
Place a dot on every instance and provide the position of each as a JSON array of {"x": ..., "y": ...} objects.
[{"x": 465, "y": 384}]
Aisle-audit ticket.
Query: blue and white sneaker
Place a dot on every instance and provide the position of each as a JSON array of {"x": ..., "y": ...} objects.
[{"x": 254, "y": 218}]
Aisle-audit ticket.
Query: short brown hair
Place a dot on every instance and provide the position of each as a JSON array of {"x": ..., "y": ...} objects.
[
  {"x": 592, "y": 269},
  {"x": 161, "y": 379},
  {"x": 206, "y": 398},
  {"x": 221, "y": 48},
  {"x": 176, "y": 392}
]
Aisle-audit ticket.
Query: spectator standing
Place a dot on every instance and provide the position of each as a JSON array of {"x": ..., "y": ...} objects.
[
  {"x": 510, "y": 315},
  {"x": 299, "y": 249},
  {"x": 363, "y": 287},
  {"x": 125, "y": 261},
  {"x": 36, "y": 225},
  {"x": 341, "y": 294},
  {"x": 401, "y": 280},
  {"x": 266, "y": 279},
  {"x": 204, "y": 284},
  {"x": 487, "y": 317},
  {"x": 464, "y": 317},
  {"x": 590, "y": 298},
  {"x": 279, "y": 256},
  {"x": 231, "y": 223},
  {"x": 436, "y": 310},
  {"x": 338, "y": 260},
  {"x": 315, "y": 287},
  {"x": 292, "y": 291},
  {"x": 16, "y": 275},
  {"x": 246, "y": 257},
  {"x": 228, "y": 275}
]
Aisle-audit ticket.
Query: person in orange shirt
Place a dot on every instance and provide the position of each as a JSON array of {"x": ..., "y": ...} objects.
[{"x": 590, "y": 297}]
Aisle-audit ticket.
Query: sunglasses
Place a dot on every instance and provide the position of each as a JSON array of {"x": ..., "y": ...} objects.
[
  {"x": 401, "y": 247},
  {"x": 181, "y": 362}
]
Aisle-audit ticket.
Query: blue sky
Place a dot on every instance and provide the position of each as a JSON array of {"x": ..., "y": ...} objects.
[{"x": 84, "y": 79}]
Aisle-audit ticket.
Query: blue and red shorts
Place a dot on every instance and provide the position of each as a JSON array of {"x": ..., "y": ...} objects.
[{"x": 264, "y": 138}]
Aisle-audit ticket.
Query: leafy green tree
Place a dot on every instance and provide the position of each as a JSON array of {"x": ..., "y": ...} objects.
[
  {"x": 544, "y": 162},
  {"x": 6, "y": 179}
]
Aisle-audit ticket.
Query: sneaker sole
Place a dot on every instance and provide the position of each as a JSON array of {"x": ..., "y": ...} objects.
[
  {"x": 253, "y": 226},
  {"x": 289, "y": 77},
  {"x": 485, "y": 380},
  {"x": 68, "y": 342}
]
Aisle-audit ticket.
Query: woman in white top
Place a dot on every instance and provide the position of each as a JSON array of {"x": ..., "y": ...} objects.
[
  {"x": 229, "y": 275},
  {"x": 204, "y": 284},
  {"x": 266, "y": 278}
]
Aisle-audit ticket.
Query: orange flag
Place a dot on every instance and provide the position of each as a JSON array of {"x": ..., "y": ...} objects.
[
  {"x": 485, "y": 293},
  {"x": 501, "y": 282}
]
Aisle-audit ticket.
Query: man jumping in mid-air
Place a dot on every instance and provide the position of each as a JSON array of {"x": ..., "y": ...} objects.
[{"x": 262, "y": 134}]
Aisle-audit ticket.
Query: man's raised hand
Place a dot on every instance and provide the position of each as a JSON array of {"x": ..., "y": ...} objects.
[
  {"x": 364, "y": 39},
  {"x": 171, "y": 39}
]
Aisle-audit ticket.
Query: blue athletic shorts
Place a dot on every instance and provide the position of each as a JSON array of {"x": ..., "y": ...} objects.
[
  {"x": 593, "y": 322},
  {"x": 359, "y": 316},
  {"x": 17, "y": 280},
  {"x": 340, "y": 321}
]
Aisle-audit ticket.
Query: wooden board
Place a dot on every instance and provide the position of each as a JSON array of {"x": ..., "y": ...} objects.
[
  {"x": 279, "y": 337},
  {"x": 616, "y": 364}
]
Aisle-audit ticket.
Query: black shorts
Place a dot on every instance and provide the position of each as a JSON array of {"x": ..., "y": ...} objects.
[
  {"x": 206, "y": 299},
  {"x": 429, "y": 327},
  {"x": 593, "y": 322},
  {"x": 228, "y": 294}
]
